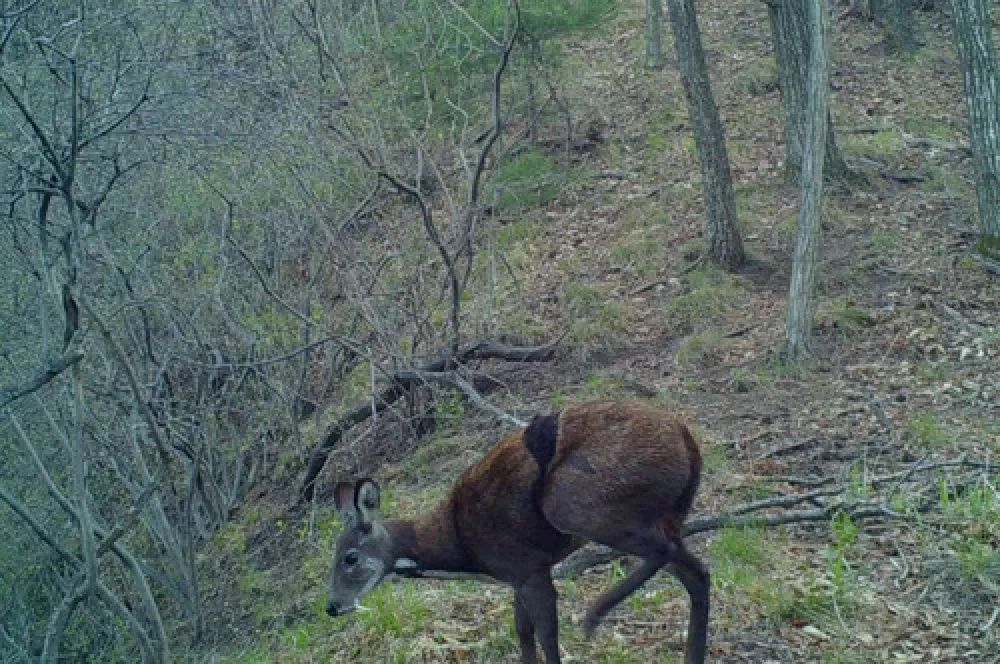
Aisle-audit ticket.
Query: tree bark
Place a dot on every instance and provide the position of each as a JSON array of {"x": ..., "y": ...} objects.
[
  {"x": 974, "y": 39},
  {"x": 802, "y": 290},
  {"x": 654, "y": 32},
  {"x": 725, "y": 244},
  {"x": 896, "y": 17},
  {"x": 790, "y": 28}
]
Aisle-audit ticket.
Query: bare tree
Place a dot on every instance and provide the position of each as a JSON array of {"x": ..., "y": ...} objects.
[
  {"x": 802, "y": 290},
  {"x": 725, "y": 246},
  {"x": 792, "y": 48},
  {"x": 654, "y": 32},
  {"x": 974, "y": 39}
]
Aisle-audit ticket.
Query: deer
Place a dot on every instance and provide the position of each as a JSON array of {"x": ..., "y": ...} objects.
[{"x": 619, "y": 473}]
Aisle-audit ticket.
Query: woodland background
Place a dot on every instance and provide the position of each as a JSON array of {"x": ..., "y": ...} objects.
[{"x": 252, "y": 248}]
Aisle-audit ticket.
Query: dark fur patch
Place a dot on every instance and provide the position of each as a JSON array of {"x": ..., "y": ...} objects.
[{"x": 540, "y": 439}]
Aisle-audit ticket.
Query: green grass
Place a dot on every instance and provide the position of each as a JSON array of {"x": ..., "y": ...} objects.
[
  {"x": 738, "y": 556},
  {"x": 699, "y": 349},
  {"x": 515, "y": 232},
  {"x": 637, "y": 256},
  {"x": 925, "y": 430},
  {"x": 710, "y": 294},
  {"x": 597, "y": 318},
  {"x": 884, "y": 145},
  {"x": 530, "y": 179},
  {"x": 757, "y": 78}
]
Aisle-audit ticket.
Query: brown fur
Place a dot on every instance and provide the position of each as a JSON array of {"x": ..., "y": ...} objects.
[{"x": 622, "y": 473}]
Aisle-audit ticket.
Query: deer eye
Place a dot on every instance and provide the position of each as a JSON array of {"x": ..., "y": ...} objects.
[{"x": 351, "y": 559}]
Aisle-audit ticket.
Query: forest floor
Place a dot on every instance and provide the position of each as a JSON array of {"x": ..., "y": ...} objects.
[{"x": 906, "y": 373}]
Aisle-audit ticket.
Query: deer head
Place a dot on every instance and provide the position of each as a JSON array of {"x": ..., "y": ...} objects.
[{"x": 362, "y": 555}]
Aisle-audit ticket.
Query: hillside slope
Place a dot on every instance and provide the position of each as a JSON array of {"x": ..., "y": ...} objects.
[{"x": 909, "y": 345}]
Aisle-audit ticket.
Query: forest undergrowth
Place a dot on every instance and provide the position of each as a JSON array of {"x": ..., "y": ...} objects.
[{"x": 904, "y": 382}]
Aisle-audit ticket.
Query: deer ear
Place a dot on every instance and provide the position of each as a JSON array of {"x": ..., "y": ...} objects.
[
  {"x": 367, "y": 499},
  {"x": 343, "y": 498}
]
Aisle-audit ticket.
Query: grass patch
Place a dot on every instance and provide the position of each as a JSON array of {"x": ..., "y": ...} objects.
[
  {"x": 845, "y": 315},
  {"x": 884, "y": 145},
  {"x": 597, "y": 318},
  {"x": 396, "y": 610},
  {"x": 531, "y": 178},
  {"x": 737, "y": 555},
  {"x": 925, "y": 430},
  {"x": 517, "y": 231},
  {"x": 886, "y": 241},
  {"x": 599, "y": 385},
  {"x": 945, "y": 179},
  {"x": 700, "y": 349},
  {"x": 711, "y": 292},
  {"x": 759, "y": 78},
  {"x": 637, "y": 256}
]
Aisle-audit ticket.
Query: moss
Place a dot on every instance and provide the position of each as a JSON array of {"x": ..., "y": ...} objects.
[{"x": 989, "y": 246}]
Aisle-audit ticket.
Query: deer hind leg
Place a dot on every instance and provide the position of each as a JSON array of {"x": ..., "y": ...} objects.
[
  {"x": 611, "y": 598},
  {"x": 525, "y": 631},
  {"x": 659, "y": 546},
  {"x": 653, "y": 547},
  {"x": 535, "y": 613},
  {"x": 695, "y": 578}
]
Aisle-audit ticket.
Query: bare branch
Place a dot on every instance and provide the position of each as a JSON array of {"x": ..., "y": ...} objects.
[
  {"x": 19, "y": 509},
  {"x": 453, "y": 379},
  {"x": 50, "y": 153},
  {"x": 141, "y": 402},
  {"x": 400, "y": 385},
  {"x": 486, "y": 33},
  {"x": 12, "y": 393}
]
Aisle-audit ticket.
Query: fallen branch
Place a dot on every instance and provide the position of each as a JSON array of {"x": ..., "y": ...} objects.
[
  {"x": 453, "y": 379},
  {"x": 596, "y": 555},
  {"x": 401, "y": 383},
  {"x": 690, "y": 267}
]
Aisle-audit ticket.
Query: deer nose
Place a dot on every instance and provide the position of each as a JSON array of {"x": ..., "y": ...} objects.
[{"x": 332, "y": 609}]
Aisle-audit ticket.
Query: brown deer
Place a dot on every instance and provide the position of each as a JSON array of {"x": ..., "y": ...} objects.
[{"x": 620, "y": 473}]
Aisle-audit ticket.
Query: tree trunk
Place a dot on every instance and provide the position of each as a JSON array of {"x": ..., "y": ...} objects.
[
  {"x": 791, "y": 50},
  {"x": 973, "y": 35},
  {"x": 725, "y": 243},
  {"x": 654, "y": 47},
  {"x": 802, "y": 293},
  {"x": 896, "y": 17}
]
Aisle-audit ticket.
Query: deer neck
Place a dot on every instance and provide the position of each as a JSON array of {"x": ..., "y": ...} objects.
[{"x": 429, "y": 543}]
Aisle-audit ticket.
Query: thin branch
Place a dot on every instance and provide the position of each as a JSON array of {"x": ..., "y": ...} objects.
[
  {"x": 267, "y": 288},
  {"x": 101, "y": 133},
  {"x": 51, "y": 155},
  {"x": 19, "y": 509},
  {"x": 138, "y": 631},
  {"x": 12, "y": 393},
  {"x": 453, "y": 379},
  {"x": 399, "y": 386},
  {"x": 345, "y": 342},
  {"x": 486, "y": 33},
  {"x": 141, "y": 402}
]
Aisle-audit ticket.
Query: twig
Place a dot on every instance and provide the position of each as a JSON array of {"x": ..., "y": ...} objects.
[
  {"x": 691, "y": 267},
  {"x": 399, "y": 386},
  {"x": 453, "y": 379},
  {"x": 785, "y": 448},
  {"x": 804, "y": 481},
  {"x": 14, "y": 392}
]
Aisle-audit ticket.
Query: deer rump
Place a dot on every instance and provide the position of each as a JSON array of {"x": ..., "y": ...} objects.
[{"x": 608, "y": 472}]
